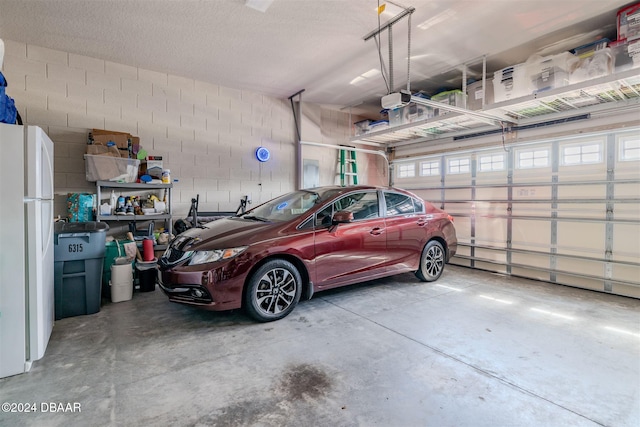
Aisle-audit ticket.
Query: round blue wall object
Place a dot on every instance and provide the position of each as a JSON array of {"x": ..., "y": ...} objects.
[{"x": 262, "y": 154}]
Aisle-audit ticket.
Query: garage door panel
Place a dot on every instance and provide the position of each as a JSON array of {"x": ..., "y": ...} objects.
[
  {"x": 579, "y": 266},
  {"x": 492, "y": 193},
  {"x": 581, "y": 238},
  {"x": 582, "y": 210},
  {"x": 463, "y": 229},
  {"x": 491, "y": 231},
  {"x": 521, "y": 176},
  {"x": 626, "y": 273},
  {"x": 627, "y": 190},
  {"x": 491, "y": 209},
  {"x": 531, "y": 209},
  {"x": 532, "y": 193},
  {"x": 458, "y": 194},
  {"x": 626, "y": 212},
  {"x": 580, "y": 282},
  {"x": 490, "y": 267},
  {"x": 626, "y": 242},
  {"x": 582, "y": 192},
  {"x": 534, "y": 260},
  {"x": 626, "y": 290},
  {"x": 530, "y": 234},
  {"x": 493, "y": 255},
  {"x": 529, "y": 273}
]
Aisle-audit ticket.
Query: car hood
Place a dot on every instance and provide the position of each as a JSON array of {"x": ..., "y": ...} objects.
[{"x": 226, "y": 233}]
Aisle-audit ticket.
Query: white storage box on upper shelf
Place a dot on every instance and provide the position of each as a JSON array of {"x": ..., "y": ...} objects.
[
  {"x": 510, "y": 83},
  {"x": 475, "y": 95},
  {"x": 549, "y": 72}
]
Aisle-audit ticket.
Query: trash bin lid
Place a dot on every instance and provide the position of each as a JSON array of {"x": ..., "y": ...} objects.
[
  {"x": 81, "y": 227},
  {"x": 146, "y": 265}
]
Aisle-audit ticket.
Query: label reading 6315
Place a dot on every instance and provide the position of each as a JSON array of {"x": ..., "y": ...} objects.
[{"x": 75, "y": 247}]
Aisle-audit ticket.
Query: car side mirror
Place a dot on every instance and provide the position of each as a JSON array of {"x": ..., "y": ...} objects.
[{"x": 342, "y": 217}]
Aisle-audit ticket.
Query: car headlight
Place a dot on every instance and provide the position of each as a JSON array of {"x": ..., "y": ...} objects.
[{"x": 203, "y": 257}]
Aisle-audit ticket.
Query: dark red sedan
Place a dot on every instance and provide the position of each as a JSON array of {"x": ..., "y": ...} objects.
[{"x": 304, "y": 242}]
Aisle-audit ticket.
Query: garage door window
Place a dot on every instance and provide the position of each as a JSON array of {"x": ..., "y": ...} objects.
[
  {"x": 533, "y": 159},
  {"x": 491, "y": 163},
  {"x": 579, "y": 154},
  {"x": 629, "y": 148},
  {"x": 407, "y": 170},
  {"x": 459, "y": 166},
  {"x": 429, "y": 168}
]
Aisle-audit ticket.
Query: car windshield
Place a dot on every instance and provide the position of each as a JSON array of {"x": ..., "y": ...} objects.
[{"x": 286, "y": 207}]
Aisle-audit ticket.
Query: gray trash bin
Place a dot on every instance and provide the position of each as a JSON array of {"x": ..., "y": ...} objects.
[{"x": 79, "y": 249}]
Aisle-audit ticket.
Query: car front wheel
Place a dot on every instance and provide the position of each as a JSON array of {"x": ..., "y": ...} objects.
[
  {"x": 431, "y": 262},
  {"x": 273, "y": 291}
]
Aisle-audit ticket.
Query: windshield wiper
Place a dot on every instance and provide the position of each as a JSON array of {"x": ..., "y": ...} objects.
[{"x": 255, "y": 218}]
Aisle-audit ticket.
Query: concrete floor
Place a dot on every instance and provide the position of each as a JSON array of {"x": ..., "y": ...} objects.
[{"x": 473, "y": 349}]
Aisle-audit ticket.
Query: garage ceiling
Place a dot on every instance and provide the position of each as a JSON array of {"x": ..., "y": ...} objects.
[{"x": 315, "y": 45}]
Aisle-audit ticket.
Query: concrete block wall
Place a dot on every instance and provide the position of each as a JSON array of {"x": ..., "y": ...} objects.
[{"x": 206, "y": 133}]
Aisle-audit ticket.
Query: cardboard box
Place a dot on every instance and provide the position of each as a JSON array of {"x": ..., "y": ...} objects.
[{"x": 121, "y": 139}]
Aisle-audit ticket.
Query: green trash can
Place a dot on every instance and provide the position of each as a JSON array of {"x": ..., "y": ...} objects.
[{"x": 78, "y": 255}]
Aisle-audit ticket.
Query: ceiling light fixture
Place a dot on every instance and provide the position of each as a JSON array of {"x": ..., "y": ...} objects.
[
  {"x": 259, "y": 5},
  {"x": 435, "y": 20}
]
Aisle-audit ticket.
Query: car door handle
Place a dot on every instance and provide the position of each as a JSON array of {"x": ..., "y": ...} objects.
[
  {"x": 422, "y": 222},
  {"x": 377, "y": 231}
]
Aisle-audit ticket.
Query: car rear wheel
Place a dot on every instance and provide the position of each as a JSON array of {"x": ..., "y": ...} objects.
[
  {"x": 431, "y": 262},
  {"x": 273, "y": 291}
]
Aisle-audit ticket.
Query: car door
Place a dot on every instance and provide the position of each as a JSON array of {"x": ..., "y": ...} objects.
[
  {"x": 350, "y": 252},
  {"x": 405, "y": 229}
]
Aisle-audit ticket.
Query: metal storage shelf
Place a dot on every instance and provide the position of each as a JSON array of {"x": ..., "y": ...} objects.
[
  {"x": 133, "y": 187},
  {"x": 613, "y": 91}
]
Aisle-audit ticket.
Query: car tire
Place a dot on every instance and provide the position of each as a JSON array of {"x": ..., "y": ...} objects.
[
  {"x": 431, "y": 262},
  {"x": 273, "y": 291}
]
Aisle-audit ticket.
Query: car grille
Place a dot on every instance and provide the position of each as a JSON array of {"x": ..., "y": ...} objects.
[{"x": 174, "y": 255}]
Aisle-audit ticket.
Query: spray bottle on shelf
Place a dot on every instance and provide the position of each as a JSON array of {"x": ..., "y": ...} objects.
[{"x": 113, "y": 202}]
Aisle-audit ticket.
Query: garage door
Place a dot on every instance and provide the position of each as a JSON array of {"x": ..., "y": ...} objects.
[{"x": 564, "y": 210}]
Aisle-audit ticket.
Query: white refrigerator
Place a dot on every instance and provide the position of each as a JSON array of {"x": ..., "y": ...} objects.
[{"x": 26, "y": 246}]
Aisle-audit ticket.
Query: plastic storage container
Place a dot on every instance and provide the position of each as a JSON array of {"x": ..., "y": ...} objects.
[
  {"x": 510, "y": 83},
  {"x": 109, "y": 168},
  {"x": 598, "y": 63},
  {"x": 628, "y": 22},
  {"x": 626, "y": 55},
  {"x": 79, "y": 249},
  {"x": 396, "y": 117},
  {"x": 548, "y": 72},
  {"x": 146, "y": 274},
  {"x": 475, "y": 94}
]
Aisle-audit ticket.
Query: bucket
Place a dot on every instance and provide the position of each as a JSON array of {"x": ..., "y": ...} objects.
[{"x": 121, "y": 282}]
